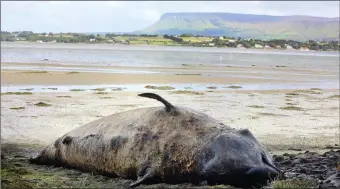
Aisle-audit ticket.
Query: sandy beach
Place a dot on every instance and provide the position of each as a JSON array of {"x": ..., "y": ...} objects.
[
  {"x": 190, "y": 74},
  {"x": 281, "y": 119},
  {"x": 289, "y": 107}
]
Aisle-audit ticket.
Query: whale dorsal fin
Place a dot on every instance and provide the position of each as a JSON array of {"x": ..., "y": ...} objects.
[{"x": 168, "y": 107}]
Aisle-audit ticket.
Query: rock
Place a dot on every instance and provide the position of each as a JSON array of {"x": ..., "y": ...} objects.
[
  {"x": 304, "y": 170},
  {"x": 318, "y": 171},
  {"x": 286, "y": 162},
  {"x": 332, "y": 147},
  {"x": 290, "y": 174},
  {"x": 301, "y": 160},
  {"x": 278, "y": 158},
  {"x": 332, "y": 181},
  {"x": 295, "y": 149},
  {"x": 319, "y": 168}
]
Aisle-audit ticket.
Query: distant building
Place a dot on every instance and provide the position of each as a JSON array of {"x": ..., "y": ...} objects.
[
  {"x": 304, "y": 49},
  {"x": 267, "y": 47},
  {"x": 92, "y": 40},
  {"x": 240, "y": 46},
  {"x": 258, "y": 46},
  {"x": 231, "y": 40},
  {"x": 211, "y": 44},
  {"x": 289, "y": 47}
]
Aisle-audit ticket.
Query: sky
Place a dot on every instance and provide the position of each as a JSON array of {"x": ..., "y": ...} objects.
[{"x": 128, "y": 16}]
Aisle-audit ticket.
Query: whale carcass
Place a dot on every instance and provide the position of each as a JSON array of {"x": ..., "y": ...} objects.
[{"x": 168, "y": 144}]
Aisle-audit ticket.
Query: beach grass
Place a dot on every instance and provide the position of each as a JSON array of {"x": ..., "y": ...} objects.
[
  {"x": 17, "y": 93},
  {"x": 159, "y": 87},
  {"x": 17, "y": 108},
  {"x": 295, "y": 108},
  {"x": 187, "y": 92},
  {"x": 255, "y": 106},
  {"x": 36, "y": 72},
  {"x": 117, "y": 89},
  {"x": 73, "y": 72},
  {"x": 101, "y": 93},
  {"x": 28, "y": 89},
  {"x": 189, "y": 74},
  {"x": 64, "y": 96},
  {"x": 292, "y": 94},
  {"x": 233, "y": 87},
  {"x": 334, "y": 96},
  {"x": 77, "y": 90},
  {"x": 283, "y": 184},
  {"x": 99, "y": 89},
  {"x": 42, "y": 104},
  {"x": 271, "y": 114}
]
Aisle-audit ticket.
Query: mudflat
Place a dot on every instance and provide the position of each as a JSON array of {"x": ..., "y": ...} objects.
[
  {"x": 281, "y": 119},
  {"x": 162, "y": 75},
  {"x": 296, "y": 119}
]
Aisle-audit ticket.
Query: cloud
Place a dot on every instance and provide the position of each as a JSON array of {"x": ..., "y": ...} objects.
[
  {"x": 117, "y": 16},
  {"x": 59, "y": 2}
]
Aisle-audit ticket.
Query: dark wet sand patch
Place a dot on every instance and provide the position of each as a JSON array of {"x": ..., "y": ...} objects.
[
  {"x": 17, "y": 93},
  {"x": 43, "y": 104},
  {"x": 159, "y": 87}
]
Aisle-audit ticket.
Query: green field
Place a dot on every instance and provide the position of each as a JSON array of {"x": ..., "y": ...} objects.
[{"x": 263, "y": 27}]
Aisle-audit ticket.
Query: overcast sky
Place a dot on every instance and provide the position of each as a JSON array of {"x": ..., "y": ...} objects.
[{"x": 126, "y": 16}]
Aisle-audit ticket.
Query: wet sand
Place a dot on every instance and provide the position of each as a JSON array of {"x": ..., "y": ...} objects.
[
  {"x": 162, "y": 75},
  {"x": 290, "y": 120},
  {"x": 311, "y": 122}
]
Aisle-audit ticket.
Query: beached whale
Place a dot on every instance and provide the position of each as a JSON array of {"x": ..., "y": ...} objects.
[{"x": 163, "y": 144}]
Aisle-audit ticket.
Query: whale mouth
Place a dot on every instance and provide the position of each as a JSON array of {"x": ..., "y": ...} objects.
[
  {"x": 244, "y": 177},
  {"x": 254, "y": 177}
]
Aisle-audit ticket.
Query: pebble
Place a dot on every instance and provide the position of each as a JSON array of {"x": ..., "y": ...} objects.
[
  {"x": 332, "y": 181},
  {"x": 320, "y": 168}
]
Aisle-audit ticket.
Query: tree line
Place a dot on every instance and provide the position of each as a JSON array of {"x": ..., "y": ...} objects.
[{"x": 217, "y": 41}]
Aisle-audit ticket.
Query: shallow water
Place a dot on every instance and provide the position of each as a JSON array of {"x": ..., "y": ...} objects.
[
  {"x": 78, "y": 69},
  {"x": 105, "y": 54},
  {"x": 141, "y": 87}
]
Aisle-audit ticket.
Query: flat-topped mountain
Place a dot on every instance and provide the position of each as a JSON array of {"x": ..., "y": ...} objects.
[{"x": 247, "y": 26}]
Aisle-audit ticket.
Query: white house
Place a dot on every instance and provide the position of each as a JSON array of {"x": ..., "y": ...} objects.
[
  {"x": 289, "y": 47},
  {"x": 258, "y": 46},
  {"x": 304, "y": 49},
  {"x": 240, "y": 46}
]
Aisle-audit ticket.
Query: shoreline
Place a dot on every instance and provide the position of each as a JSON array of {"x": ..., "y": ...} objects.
[
  {"x": 294, "y": 120},
  {"x": 177, "y": 45},
  {"x": 258, "y": 110},
  {"x": 93, "y": 78},
  {"x": 54, "y": 74}
]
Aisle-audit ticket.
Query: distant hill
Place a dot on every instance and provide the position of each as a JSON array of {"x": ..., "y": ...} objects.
[{"x": 246, "y": 26}]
